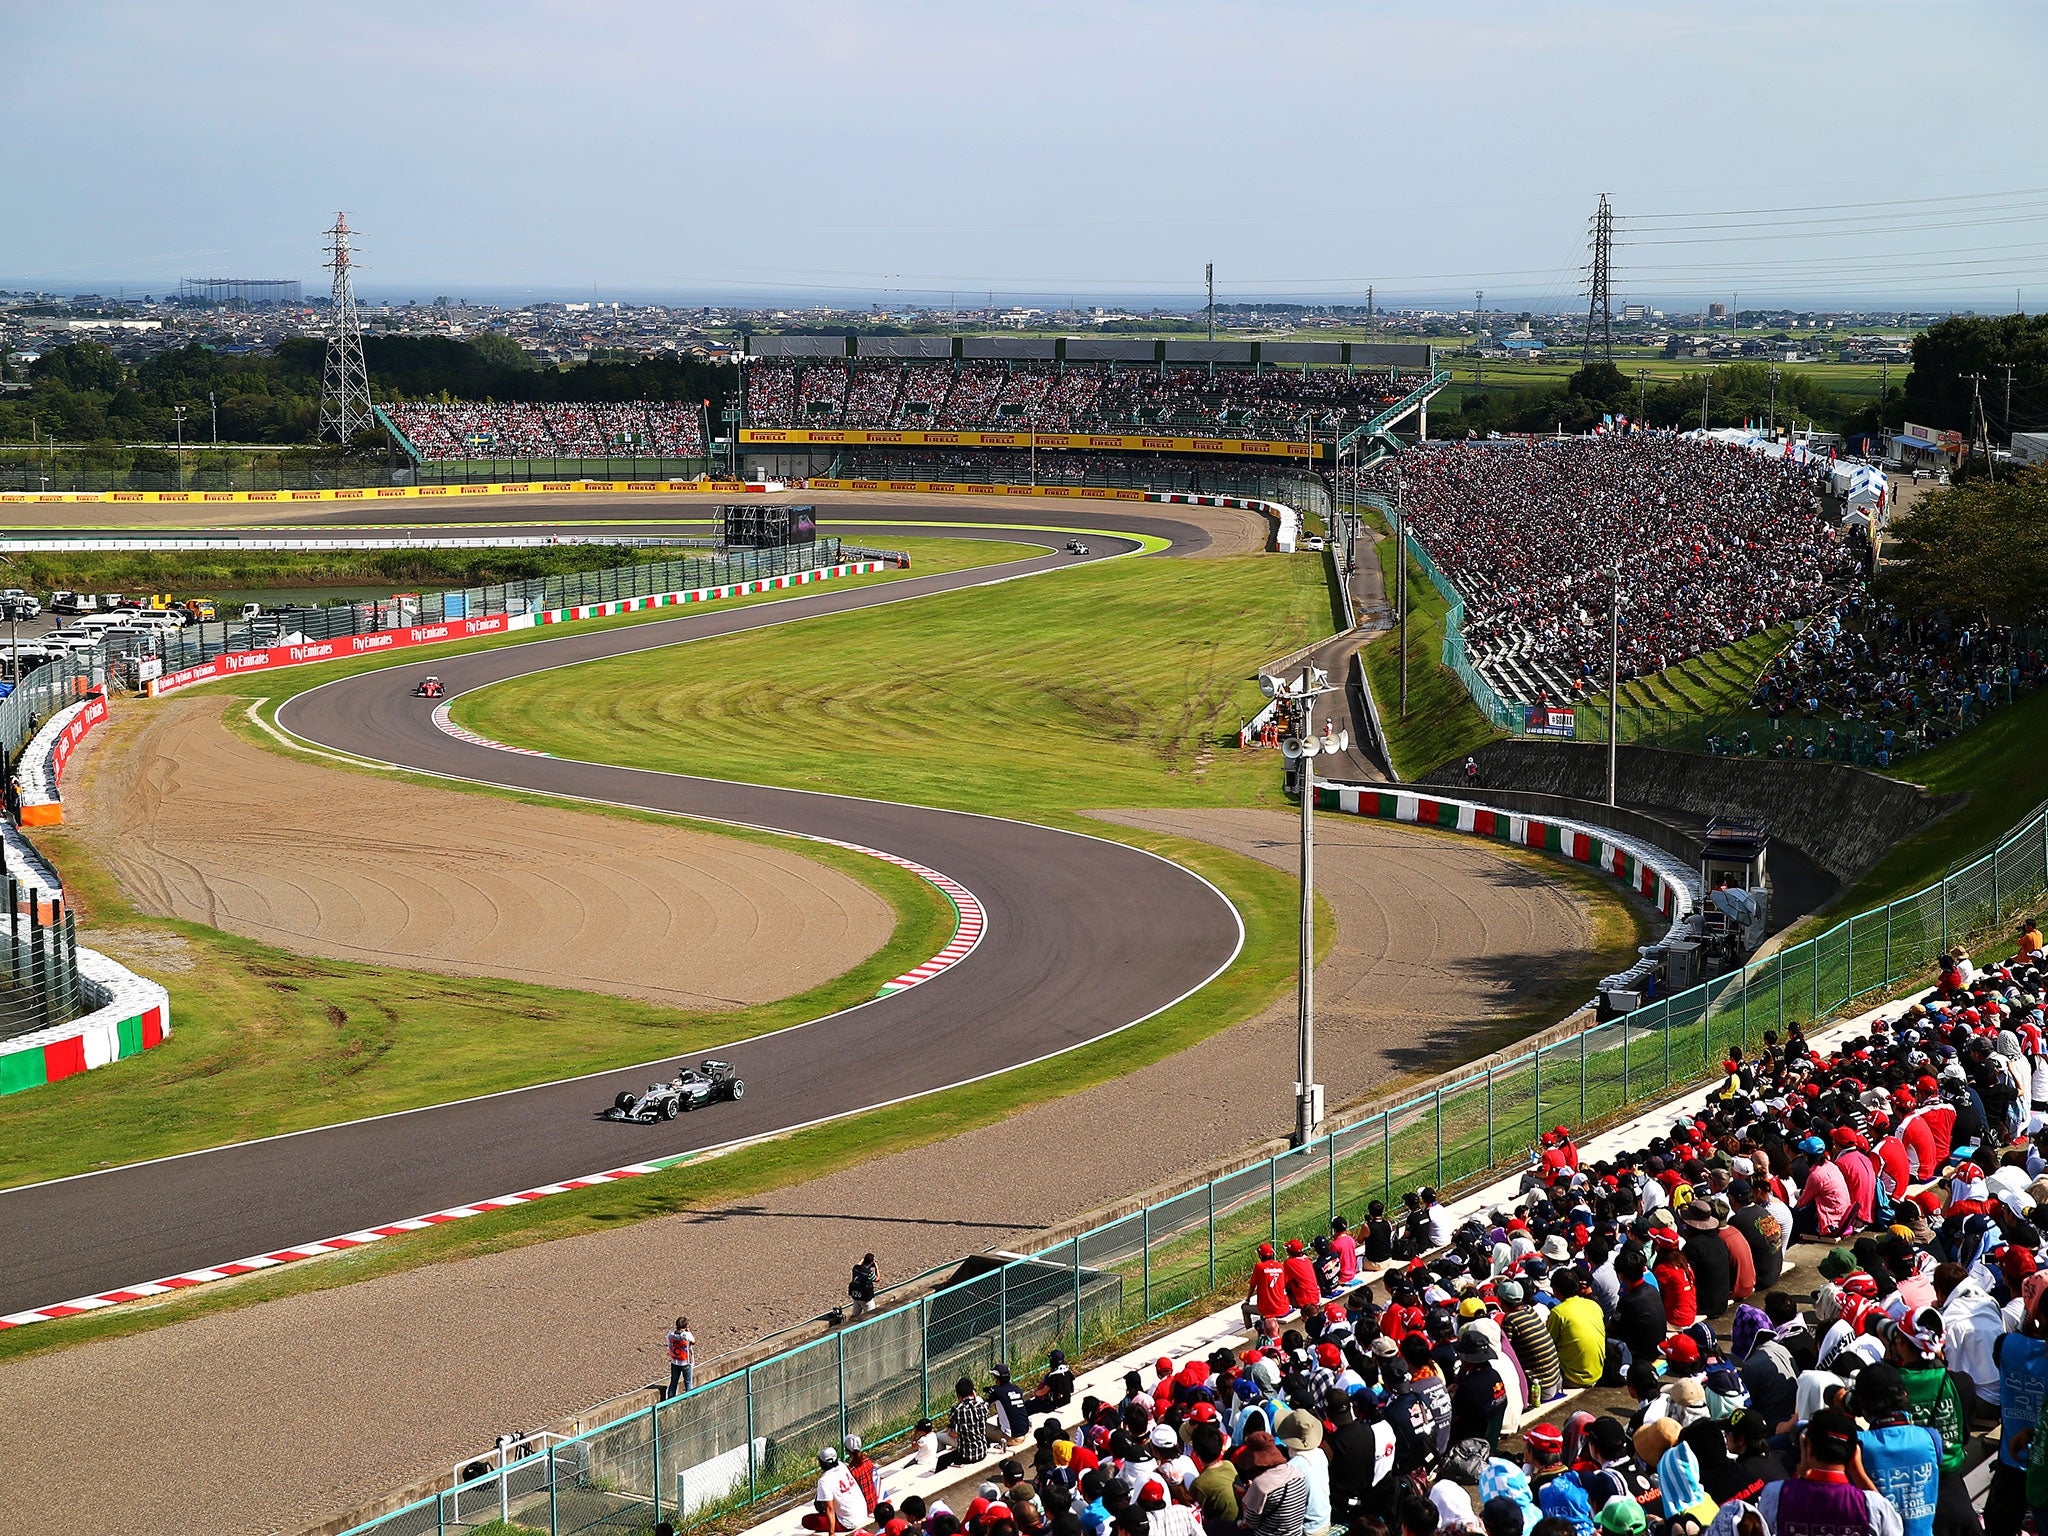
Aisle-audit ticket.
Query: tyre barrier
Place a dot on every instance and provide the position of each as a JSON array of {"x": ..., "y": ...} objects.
[
  {"x": 130, "y": 1014},
  {"x": 42, "y": 762},
  {"x": 1660, "y": 878}
]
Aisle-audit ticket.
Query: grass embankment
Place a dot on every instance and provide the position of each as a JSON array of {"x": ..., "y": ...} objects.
[
  {"x": 1716, "y": 682},
  {"x": 1116, "y": 684},
  {"x": 1442, "y": 721},
  {"x": 2000, "y": 765},
  {"x": 267, "y": 1041}
]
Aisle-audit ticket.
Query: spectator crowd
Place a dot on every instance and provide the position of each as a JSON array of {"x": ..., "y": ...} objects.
[
  {"x": 579, "y": 430},
  {"x": 1049, "y": 396},
  {"x": 1915, "y": 681},
  {"x": 1712, "y": 543},
  {"x": 1813, "y": 1307}
]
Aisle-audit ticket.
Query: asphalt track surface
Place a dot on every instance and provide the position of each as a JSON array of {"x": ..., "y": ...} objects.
[{"x": 1083, "y": 937}]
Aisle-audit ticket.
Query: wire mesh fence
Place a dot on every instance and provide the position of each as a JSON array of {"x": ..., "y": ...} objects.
[
  {"x": 203, "y": 469},
  {"x": 754, "y": 1432},
  {"x": 295, "y": 625}
]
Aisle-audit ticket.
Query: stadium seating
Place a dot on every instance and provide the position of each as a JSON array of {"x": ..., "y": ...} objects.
[
  {"x": 1714, "y": 544},
  {"x": 1067, "y": 397},
  {"x": 573, "y": 430}
]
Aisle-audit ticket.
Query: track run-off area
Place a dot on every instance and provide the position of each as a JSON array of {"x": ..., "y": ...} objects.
[{"x": 1082, "y": 937}]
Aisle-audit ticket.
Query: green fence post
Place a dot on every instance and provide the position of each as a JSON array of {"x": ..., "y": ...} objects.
[
  {"x": 1888, "y": 943},
  {"x": 654, "y": 1425},
  {"x": 753, "y": 1465},
  {"x": 1212, "y": 1234},
  {"x": 1077, "y": 1316},
  {"x": 1273, "y": 1197},
  {"x": 1582, "y": 1080},
  {"x": 1437, "y": 1116},
  {"x": 1779, "y": 990},
  {"x": 1489, "y": 1115},
  {"x": 1538, "y": 1059},
  {"x": 1624, "y": 1058},
  {"x": 1944, "y": 914},
  {"x": 924, "y": 1333},
  {"x": 1816, "y": 983},
  {"x": 1996, "y": 916},
  {"x": 1146, "y": 1260},
  {"x": 1667, "y": 1042},
  {"x": 840, "y": 1358},
  {"x": 1331, "y": 1140},
  {"x": 1387, "y": 1154}
]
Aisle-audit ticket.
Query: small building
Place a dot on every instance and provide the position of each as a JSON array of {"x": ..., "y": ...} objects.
[{"x": 2030, "y": 447}]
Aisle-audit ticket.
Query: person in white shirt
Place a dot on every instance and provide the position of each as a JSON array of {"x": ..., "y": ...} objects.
[
  {"x": 837, "y": 1502},
  {"x": 1441, "y": 1227}
]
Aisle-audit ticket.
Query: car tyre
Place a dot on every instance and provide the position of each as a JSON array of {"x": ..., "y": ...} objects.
[
  {"x": 624, "y": 1099},
  {"x": 668, "y": 1109},
  {"x": 736, "y": 1090}
]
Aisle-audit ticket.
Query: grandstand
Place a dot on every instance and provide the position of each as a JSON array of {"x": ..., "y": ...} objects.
[
  {"x": 439, "y": 433},
  {"x": 979, "y": 395},
  {"x": 1714, "y": 544}
]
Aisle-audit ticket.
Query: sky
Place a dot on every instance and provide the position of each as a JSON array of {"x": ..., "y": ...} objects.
[{"x": 1811, "y": 152}]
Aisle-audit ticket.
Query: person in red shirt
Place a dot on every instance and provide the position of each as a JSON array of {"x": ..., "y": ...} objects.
[
  {"x": 1304, "y": 1290},
  {"x": 1918, "y": 1138},
  {"x": 1345, "y": 1246},
  {"x": 1267, "y": 1299},
  {"x": 1674, "y": 1279}
]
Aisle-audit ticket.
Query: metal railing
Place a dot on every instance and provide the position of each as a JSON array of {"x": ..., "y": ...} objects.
[
  {"x": 755, "y": 1431},
  {"x": 197, "y": 643},
  {"x": 1304, "y": 491}
]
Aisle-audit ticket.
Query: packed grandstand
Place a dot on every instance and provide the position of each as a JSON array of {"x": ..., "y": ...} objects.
[
  {"x": 1068, "y": 396},
  {"x": 1713, "y": 544},
  {"x": 583, "y": 430}
]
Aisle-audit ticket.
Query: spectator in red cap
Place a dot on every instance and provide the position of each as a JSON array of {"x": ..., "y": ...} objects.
[
  {"x": 1266, "y": 1301},
  {"x": 1304, "y": 1290},
  {"x": 1674, "y": 1279}
]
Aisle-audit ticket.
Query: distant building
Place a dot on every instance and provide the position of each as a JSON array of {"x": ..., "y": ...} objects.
[
  {"x": 1635, "y": 312},
  {"x": 2030, "y": 447},
  {"x": 1717, "y": 311}
]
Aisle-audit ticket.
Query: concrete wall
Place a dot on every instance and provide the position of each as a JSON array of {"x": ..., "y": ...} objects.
[{"x": 1843, "y": 818}]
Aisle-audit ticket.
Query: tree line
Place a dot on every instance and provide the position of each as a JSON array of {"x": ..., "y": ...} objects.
[{"x": 83, "y": 393}]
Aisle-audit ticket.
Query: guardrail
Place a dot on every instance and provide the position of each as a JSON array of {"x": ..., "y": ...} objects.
[{"x": 755, "y": 1431}]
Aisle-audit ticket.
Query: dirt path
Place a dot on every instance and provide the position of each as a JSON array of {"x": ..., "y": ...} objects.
[
  {"x": 197, "y": 823},
  {"x": 300, "y": 1408}
]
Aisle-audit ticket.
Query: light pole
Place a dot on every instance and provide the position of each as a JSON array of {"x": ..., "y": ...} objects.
[
  {"x": 1613, "y": 682},
  {"x": 178, "y": 415},
  {"x": 1303, "y": 749}
]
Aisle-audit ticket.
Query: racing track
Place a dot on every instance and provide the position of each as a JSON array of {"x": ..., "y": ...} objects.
[{"x": 1084, "y": 937}]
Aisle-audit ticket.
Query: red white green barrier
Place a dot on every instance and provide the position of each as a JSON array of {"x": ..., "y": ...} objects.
[
  {"x": 1658, "y": 877},
  {"x": 43, "y": 760},
  {"x": 131, "y": 1014}
]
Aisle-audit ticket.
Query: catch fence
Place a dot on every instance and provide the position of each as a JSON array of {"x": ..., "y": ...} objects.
[
  {"x": 1304, "y": 492},
  {"x": 755, "y": 1431},
  {"x": 293, "y": 625}
]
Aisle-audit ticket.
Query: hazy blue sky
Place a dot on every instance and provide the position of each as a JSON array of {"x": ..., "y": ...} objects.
[{"x": 1084, "y": 148}]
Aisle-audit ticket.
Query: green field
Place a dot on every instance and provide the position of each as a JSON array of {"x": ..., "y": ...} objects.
[
  {"x": 2000, "y": 765},
  {"x": 1121, "y": 683}
]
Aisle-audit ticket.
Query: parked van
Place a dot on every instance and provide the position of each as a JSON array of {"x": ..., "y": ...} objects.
[{"x": 100, "y": 623}]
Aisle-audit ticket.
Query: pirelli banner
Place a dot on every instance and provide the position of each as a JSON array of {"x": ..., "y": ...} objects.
[{"x": 797, "y": 437}]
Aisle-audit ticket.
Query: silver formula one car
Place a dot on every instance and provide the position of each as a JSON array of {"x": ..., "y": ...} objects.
[{"x": 690, "y": 1087}]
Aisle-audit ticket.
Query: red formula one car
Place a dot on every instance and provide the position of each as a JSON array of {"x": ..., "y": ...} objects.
[{"x": 429, "y": 688}]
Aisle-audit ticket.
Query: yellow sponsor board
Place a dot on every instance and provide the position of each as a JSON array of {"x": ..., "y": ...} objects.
[
  {"x": 857, "y": 438},
  {"x": 381, "y": 492},
  {"x": 952, "y": 488}
]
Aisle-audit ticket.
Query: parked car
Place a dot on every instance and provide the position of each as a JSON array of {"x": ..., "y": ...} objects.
[{"x": 24, "y": 603}]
